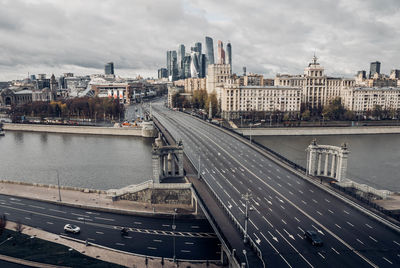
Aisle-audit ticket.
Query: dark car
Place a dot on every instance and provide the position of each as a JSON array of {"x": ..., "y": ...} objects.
[{"x": 313, "y": 237}]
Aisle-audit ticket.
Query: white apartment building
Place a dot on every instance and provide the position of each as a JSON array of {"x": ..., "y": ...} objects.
[
  {"x": 318, "y": 89},
  {"x": 217, "y": 76},
  {"x": 362, "y": 99},
  {"x": 237, "y": 100}
]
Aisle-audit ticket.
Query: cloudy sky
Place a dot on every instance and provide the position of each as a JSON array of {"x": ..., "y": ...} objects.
[{"x": 269, "y": 37}]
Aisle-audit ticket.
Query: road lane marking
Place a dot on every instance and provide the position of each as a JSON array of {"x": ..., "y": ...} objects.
[
  {"x": 346, "y": 212},
  {"x": 194, "y": 227},
  {"x": 319, "y": 253},
  {"x": 80, "y": 215},
  {"x": 387, "y": 260},
  {"x": 166, "y": 225},
  {"x": 32, "y": 206},
  {"x": 49, "y": 222},
  {"x": 315, "y": 201},
  {"x": 301, "y": 255},
  {"x": 27, "y": 218},
  {"x": 297, "y": 219},
  {"x": 397, "y": 243},
  {"x": 120, "y": 244},
  {"x": 283, "y": 221},
  {"x": 349, "y": 223},
  {"x": 330, "y": 211},
  {"x": 157, "y": 240},
  {"x": 152, "y": 248},
  {"x": 360, "y": 241},
  {"x": 137, "y": 222},
  {"x": 189, "y": 243},
  {"x": 373, "y": 239},
  {"x": 254, "y": 224},
  {"x": 106, "y": 219},
  {"x": 369, "y": 226},
  {"x": 265, "y": 219},
  {"x": 55, "y": 210},
  {"x": 97, "y": 232},
  {"x": 16, "y": 203},
  {"x": 338, "y": 226},
  {"x": 335, "y": 251},
  {"x": 185, "y": 251},
  {"x": 319, "y": 213}
]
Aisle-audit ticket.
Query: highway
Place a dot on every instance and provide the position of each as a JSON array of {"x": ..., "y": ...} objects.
[
  {"x": 285, "y": 205},
  {"x": 194, "y": 239}
]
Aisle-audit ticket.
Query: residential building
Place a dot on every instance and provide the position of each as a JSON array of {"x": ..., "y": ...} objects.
[
  {"x": 193, "y": 84},
  {"x": 237, "y": 100},
  {"x": 217, "y": 76}
]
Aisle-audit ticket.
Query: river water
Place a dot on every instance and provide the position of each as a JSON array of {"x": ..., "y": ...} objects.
[
  {"x": 98, "y": 162},
  {"x": 374, "y": 159}
]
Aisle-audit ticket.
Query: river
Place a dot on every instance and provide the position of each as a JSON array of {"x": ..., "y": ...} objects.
[
  {"x": 374, "y": 159},
  {"x": 98, "y": 162}
]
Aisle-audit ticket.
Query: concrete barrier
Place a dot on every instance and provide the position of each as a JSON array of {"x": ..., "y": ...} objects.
[{"x": 88, "y": 130}]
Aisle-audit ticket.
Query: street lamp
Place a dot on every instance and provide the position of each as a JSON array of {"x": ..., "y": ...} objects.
[
  {"x": 173, "y": 234},
  {"x": 58, "y": 182},
  {"x": 251, "y": 124},
  {"x": 245, "y": 255},
  {"x": 246, "y": 198}
]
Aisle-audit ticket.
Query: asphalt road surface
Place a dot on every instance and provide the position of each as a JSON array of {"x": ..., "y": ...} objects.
[
  {"x": 285, "y": 205},
  {"x": 194, "y": 239}
]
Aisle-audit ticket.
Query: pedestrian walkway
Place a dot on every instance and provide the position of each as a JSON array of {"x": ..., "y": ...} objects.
[{"x": 86, "y": 199}]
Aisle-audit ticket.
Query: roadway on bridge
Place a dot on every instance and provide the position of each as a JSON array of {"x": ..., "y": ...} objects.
[
  {"x": 285, "y": 205},
  {"x": 194, "y": 238}
]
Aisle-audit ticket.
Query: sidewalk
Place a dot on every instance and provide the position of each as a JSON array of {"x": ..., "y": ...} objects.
[
  {"x": 120, "y": 258},
  {"x": 97, "y": 201}
]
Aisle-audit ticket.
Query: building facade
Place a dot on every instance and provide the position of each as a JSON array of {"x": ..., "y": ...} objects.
[
  {"x": 218, "y": 74},
  {"x": 237, "y": 99},
  {"x": 109, "y": 68},
  {"x": 193, "y": 84}
]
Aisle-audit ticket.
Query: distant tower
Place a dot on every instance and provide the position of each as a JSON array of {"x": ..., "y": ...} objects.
[
  {"x": 172, "y": 65},
  {"x": 53, "y": 83},
  {"x": 198, "y": 47},
  {"x": 181, "y": 56},
  {"x": 221, "y": 53},
  {"x": 229, "y": 55},
  {"x": 375, "y": 68},
  {"x": 209, "y": 51},
  {"x": 109, "y": 68},
  {"x": 244, "y": 70}
]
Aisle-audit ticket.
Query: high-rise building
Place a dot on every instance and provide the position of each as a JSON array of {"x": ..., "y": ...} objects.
[
  {"x": 186, "y": 65},
  {"x": 109, "y": 68},
  {"x": 172, "y": 65},
  {"x": 395, "y": 74},
  {"x": 209, "y": 51},
  {"x": 221, "y": 53},
  {"x": 162, "y": 73},
  {"x": 229, "y": 54},
  {"x": 375, "y": 68},
  {"x": 181, "y": 55},
  {"x": 195, "y": 65},
  {"x": 202, "y": 66},
  {"x": 198, "y": 47}
]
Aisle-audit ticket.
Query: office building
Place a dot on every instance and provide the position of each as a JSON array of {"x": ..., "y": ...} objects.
[
  {"x": 209, "y": 51},
  {"x": 229, "y": 54},
  {"x": 172, "y": 65},
  {"x": 181, "y": 56},
  {"x": 221, "y": 53},
  {"x": 375, "y": 68},
  {"x": 186, "y": 66},
  {"x": 162, "y": 73},
  {"x": 109, "y": 68}
]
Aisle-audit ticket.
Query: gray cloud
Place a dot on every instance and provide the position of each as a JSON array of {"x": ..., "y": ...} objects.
[{"x": 267, "y": 36}]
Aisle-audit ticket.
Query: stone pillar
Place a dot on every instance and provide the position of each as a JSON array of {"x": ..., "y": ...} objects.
[
  {"x": 156, "y": 168},
  {"x": 319, "y": 164},
  {"x": 165, "y": 158},
  {"x": 343, "y": 165},
  {"x": 169, "y": 164},
  {"x": 180, "y": 162},
  {"x": 161, "y": 167},
  {"x": 326, "y": 164},
  {"x": 312, "y": 160},
  {"x": 173, "y": 165},
  {"x": 333, "y": 167},
  {"x": 338, "y": 163}
]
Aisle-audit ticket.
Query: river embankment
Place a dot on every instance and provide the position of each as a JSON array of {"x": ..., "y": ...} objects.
[
  {"x": 320, "y": 131},
  {"x": 86, "y": 130}
]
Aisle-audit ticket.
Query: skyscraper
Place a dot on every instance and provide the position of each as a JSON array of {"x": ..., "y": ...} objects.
[
  {"x": 186, "y": 65},
  {"x": 229, "y": 54},
  {"x": 375, "y": 68},
  {"x": 198, "y": 47},
  {"x": 109, "y": 68},
  {"x": 195, "y": 65},
  {"x": 181, "y": 55},
  {"x": 221, "y": 53},
  {"x": 209, "y": 51},
  {"x": 202, "y": 66},
  {"x": 172, "y": 65}
]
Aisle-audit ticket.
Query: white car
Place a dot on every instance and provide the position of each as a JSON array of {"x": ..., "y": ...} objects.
[{"x": 72, "y": 228}]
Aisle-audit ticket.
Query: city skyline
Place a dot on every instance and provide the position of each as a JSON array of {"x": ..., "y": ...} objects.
[{"x": 67, "y": 40}]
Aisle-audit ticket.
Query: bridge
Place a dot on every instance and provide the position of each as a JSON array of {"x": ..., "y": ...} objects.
[{"x": 260, "y": 206}]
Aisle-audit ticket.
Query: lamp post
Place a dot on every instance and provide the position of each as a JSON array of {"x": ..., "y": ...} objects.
[
  {"x": 251, "y": 124},
  {"x": 246, "y": 198},
  {"x": 245, "y": 255},
  {"x": 58, "y": 182},
  {"x": 173, "y": 229}
]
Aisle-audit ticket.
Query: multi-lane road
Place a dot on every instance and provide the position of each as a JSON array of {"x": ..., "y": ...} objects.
[
  {"x": 285, "y": 205},
  {"x": 194, "y": 239}
]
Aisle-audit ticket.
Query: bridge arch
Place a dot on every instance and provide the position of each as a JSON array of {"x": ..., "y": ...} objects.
[{"x": 327, "y": 160}]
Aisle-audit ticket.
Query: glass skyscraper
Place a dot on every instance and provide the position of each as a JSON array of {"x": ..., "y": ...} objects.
[{"x": 209, "y": 51}]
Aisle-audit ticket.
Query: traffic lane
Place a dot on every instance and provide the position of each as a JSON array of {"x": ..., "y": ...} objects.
[
  {"x": 325, "y": 199},
  {"x": 110, "y": 236},
  {"x": 186, "y": 225}
]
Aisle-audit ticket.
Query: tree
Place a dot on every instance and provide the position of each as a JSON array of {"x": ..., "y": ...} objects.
[
  {"x": 306, "y": 115},
  {"x": 3, "y": 223},
  {"x": 212, "y": 98},
  {"x": 377, "y": 112},
  {"x": 335, "y": 110}
]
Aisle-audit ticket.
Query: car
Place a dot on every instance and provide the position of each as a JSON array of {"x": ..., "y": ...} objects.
[
  {"x": 70, "y": 228},
  {"x": 313, "y": 237}
]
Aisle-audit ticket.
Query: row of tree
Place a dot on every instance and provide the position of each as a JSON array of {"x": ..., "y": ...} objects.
[
  {"x": 78, "y": 107},
  {"x": 200, "y": 100}
]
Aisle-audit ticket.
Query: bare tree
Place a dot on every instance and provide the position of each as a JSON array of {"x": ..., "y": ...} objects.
[
  {"x": 19, "y": 227},
  {"x": 3, "y": 223}
]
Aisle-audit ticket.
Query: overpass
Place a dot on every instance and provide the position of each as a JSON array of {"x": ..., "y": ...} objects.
[{"x": 285, "y": 203}]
